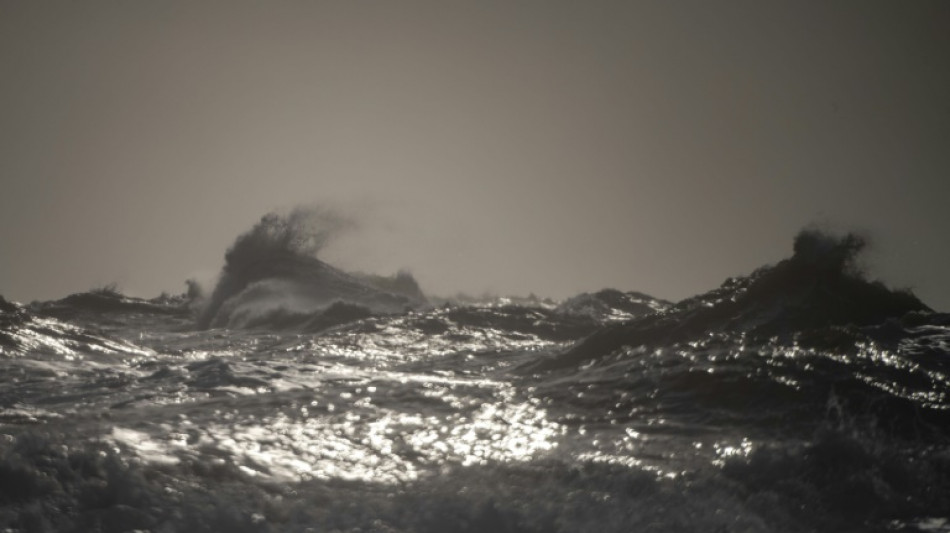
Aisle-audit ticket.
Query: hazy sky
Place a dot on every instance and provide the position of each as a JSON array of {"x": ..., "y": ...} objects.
[{"x": 509, "y": 146}]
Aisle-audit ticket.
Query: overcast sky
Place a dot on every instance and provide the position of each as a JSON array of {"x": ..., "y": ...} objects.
[{"x": 510, "y": 146}]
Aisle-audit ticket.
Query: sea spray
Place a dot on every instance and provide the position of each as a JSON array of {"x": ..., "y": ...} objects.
[{"x": 275, "y": 266}]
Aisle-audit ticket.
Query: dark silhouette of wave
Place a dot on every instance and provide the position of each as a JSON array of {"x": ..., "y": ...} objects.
[
  {"x": 818, "y": 287},
  {"x": 789, "y": 346},
  {"x": 402, "y": 283},
  {"x": 107, "y": 301},
  {"x": 7, "y": 307},
  {"x": 274, "y": 266}
]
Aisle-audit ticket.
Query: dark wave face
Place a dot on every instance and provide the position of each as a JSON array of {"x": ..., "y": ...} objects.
[
  {"x": 817, "y": 288},
  {"x": 108, "y": 309},
  {"x": 799, "y": 398},
  {"x": 274, "y": 267}
]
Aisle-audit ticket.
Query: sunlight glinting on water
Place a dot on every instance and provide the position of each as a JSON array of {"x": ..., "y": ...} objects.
[
  {"x": 53, "y": 337},
  {"x": 725, "y": 451},
  {"x": 361, "y": 442},
  {"x": 399, "y": 342}
]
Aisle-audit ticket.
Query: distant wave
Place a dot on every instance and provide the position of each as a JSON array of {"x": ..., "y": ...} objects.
[
  {"x": 612, "y": 305},
  {"x": 110, "y": 301},
  {"x": 26, "y": 331},
  {"x": 274, "y": 266},
  {"x": 818, "y": 287},
  {"x": 806, "y": 339}
]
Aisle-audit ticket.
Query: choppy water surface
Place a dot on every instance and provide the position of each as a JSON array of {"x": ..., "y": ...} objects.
[{"x": 734, "y": 411}]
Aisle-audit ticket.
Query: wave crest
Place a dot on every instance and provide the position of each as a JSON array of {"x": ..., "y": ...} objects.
[
  {"x": 274, "y": 266},
  {"x": 818, "y": 287}
]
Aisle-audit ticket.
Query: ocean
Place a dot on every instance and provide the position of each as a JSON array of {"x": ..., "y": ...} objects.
[{"x": 298, "y": 397}]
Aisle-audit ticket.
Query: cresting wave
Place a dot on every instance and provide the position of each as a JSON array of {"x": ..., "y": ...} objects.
[
  {"x": 273, "y": 267},
  {"x": 817, "y": 288},
  {"x": 799, "y": 398}
]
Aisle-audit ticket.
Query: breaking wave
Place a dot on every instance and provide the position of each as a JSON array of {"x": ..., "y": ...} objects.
[
  {"x": 274, "y": 267},
  {"x": 818, "y": 287}
]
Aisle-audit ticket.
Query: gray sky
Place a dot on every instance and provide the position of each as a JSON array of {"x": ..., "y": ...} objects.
[{"x": 509, "y": 146}]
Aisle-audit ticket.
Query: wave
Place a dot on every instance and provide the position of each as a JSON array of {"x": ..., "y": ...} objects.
[
  {"x": 612, "y": 305},
  {"x": 832, "y": 482},
  {"x": 282, "y": 319},
  {"x": 274, "y": 266},
  {"x": 106, "y": 301},
  {"x": 798, "y": 398},
  {"x": 776, "y": 352},
  {"x": 518, "y": 319},
  {"x": 23, "y": 332},
  {"x": 12, "y": 318},
  {"x": 818, "y": 287},
  {"x": 402, "y": 283}
]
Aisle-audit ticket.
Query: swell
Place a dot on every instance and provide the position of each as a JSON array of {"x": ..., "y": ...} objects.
[
  {"x": 28, "y": 332},
  {"x": 818, "y": 287},
  {"x": 777, "y": 352}
]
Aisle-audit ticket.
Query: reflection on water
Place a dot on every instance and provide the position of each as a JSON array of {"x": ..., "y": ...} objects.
[
  {"x": 354, "y": 439},
  {"x": 365, "y": 425}
]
